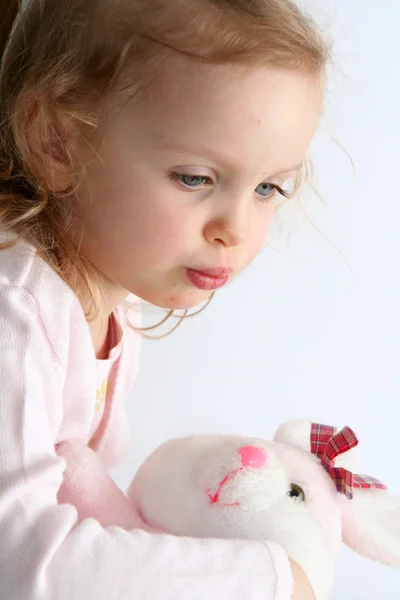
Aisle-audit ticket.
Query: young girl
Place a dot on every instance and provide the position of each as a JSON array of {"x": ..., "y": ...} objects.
[{"x": 143, "y": 146}]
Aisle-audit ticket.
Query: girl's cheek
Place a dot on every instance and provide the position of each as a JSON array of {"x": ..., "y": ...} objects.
[
  {"x": 167, "y": 232},
  {"x": 259, "y": 238}
]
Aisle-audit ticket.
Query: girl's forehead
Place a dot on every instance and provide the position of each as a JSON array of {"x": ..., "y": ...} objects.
[
  {"x": 209, "y": 89},
  {"x": 232, "y": 114}
]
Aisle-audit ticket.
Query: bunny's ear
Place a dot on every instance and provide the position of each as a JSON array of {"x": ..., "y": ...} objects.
[
  {"x": 298, "y": 433},
  {"x": 371, "y": 525},
  {"x": 294, "y": 433}
]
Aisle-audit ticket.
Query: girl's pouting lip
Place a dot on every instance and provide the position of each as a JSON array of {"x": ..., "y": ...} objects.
[{"x": 209, "y": 279}]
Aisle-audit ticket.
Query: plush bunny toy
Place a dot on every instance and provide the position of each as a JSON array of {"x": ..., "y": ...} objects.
[{"x": 300, "y": 490}]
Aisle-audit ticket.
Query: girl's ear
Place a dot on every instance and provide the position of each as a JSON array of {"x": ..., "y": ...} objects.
[
  {"x": 371, "y": 525},
  {"x": 57, "y": 172},
  {"x": 48, "y": 140}
]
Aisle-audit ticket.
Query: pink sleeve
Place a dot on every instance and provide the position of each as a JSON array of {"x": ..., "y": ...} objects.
[
  {"x": 283, "y": 571},
  {"x": 47, "y": 553}
]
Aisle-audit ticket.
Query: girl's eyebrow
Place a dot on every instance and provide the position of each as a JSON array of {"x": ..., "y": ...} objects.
[
  {"x": 221, "y": 158},
  {"x": 288, "y": 171}
]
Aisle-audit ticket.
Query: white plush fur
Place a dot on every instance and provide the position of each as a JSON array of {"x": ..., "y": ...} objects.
[{"x": 172, "y": 491}]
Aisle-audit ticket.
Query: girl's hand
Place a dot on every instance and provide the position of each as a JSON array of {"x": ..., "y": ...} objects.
[{"x": 302, "y": 589}]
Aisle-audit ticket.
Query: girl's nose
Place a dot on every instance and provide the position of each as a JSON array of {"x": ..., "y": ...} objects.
[
  {"x": 229, "y": 222},
  {"x": 252, "y": 456},
  {"x": 225, "y": 232}
]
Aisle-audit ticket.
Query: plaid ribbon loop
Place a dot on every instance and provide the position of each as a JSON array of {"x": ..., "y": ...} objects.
[{"x": 328, "y": 443}]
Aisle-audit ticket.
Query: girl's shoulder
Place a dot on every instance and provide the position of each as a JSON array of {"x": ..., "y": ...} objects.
[
  {"x": 23, "y": 273},
  {"x": 22, "y": 266}
]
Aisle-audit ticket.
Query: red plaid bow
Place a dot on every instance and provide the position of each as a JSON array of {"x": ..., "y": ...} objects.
[{"x": 327, "y": 443}]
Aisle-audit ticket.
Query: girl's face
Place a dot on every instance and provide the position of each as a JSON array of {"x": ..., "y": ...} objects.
[{"x": 182, "y": 189}]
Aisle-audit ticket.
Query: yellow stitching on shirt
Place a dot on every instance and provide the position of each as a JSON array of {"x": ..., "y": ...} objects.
[{"x": 101, "y": 394}]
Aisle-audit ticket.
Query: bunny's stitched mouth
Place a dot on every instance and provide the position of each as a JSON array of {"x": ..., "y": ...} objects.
[
  {"x": 250, "y": 456},
  {"x": 215, "y": 497}
]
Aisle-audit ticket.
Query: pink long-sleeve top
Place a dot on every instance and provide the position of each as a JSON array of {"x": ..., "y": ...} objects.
[{"x": 53, "y": 389}]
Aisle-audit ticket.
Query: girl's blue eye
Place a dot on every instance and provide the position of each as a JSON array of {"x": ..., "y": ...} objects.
[
  {"x": 192, "y": 181},
  {"x": 266, "y": 189}
]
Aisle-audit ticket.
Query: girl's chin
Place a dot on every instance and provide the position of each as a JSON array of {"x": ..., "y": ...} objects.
[{"x": 176, "y": 300}]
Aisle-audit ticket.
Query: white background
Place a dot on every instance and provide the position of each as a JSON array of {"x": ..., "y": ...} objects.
[{"x": 302, "y": 333}]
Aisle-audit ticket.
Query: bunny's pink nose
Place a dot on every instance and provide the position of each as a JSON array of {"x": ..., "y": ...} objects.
[{"x": 253, "y": 457}]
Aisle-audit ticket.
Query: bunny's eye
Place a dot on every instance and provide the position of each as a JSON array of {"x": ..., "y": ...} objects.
[{"x": 296, "y": 492}]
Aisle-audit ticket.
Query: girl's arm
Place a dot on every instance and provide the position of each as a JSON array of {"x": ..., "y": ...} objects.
[
  {"x": 45, "y": 551},
  {"x": 88, "y": 486},
  {"x": 301, "y": 586}
]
